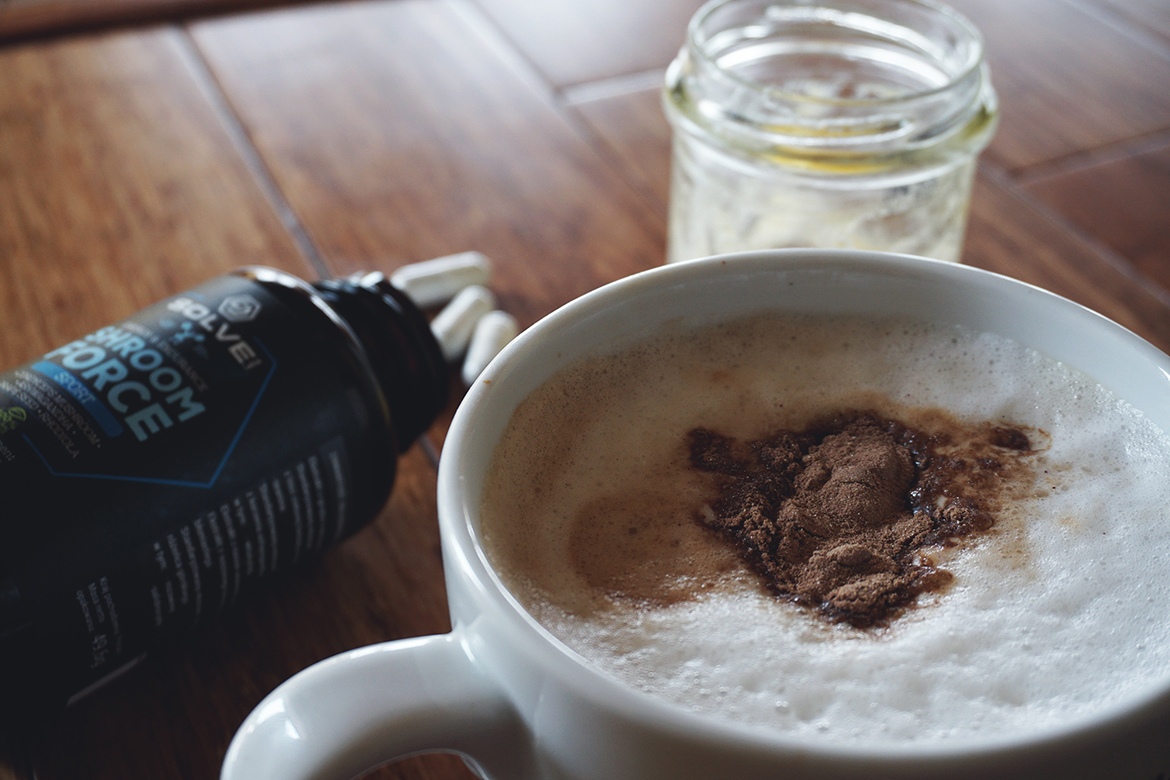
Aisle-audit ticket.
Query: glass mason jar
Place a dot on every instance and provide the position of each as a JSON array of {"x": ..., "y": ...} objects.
[{"x": 826, "y": 123}]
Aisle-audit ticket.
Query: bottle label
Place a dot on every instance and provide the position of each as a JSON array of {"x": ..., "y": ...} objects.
[
  {"x": 151, "y": 470},
  {"x": 120, "y": 387}
]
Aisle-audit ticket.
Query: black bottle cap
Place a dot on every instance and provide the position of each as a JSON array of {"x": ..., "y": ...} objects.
[{"x": 403, "y": 353}]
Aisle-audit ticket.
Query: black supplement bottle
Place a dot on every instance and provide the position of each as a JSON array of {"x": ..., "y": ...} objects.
[{"x": 154, "y": 470}]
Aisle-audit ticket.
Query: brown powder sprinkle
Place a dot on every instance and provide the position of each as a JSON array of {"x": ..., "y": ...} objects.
[{"x": 835, "y": 517}]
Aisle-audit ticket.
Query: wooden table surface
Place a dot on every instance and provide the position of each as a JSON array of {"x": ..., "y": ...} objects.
[{"x": 146, "y": 146}]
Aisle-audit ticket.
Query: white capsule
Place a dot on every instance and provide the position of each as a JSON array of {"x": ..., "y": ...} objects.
[
  {"x": 492, "y": 333},
  {"x": 436, "y": 281},
  {"x": 454, "y": 324}
]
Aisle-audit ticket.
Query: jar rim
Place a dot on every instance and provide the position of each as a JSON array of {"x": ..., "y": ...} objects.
[{"x": 696, "y": 38}]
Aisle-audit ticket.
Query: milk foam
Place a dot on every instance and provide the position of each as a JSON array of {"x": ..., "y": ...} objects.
[{"x": 1058, "y": 613}]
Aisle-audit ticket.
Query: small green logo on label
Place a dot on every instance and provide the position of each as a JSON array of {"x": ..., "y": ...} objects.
[{"x": 12, "y": 417}]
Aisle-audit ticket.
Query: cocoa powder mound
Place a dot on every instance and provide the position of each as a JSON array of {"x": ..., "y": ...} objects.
[{"x": 835, "y": 517}]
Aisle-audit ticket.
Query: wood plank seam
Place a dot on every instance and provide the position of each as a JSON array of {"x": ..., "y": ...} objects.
[
  {"x": 430, "y": 450},
  {"x": 498, "y": 39},
  {"x": 482, "y": 21},
  {"x": 1126, "y": 25},
  {"x": 610, "y": 156},
  {"x": 613, "y": 87},
  {"x": 246, "y": 148},
  {"x": 1091, "y": 158},
  {"x": 1112, "y": 258}
]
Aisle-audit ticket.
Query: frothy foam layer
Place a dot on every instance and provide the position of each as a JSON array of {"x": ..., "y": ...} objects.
[{"x": 1057, "y": 613}]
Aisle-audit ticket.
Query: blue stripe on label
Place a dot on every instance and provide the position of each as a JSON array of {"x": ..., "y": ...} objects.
[{"x": 74, "y": 386}]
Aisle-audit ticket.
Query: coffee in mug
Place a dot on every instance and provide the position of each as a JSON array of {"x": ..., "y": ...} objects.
[{"x": 600, "y": 514}]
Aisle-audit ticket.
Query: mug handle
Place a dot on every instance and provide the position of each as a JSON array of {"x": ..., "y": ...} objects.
[{"x": 354, "y": 711}]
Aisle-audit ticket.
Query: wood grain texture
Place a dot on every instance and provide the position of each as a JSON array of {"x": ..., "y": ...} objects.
[
  {"x": 24, "y": 18},
  {"x": 633, "y": 129},
  {"x": 118, "y": 186},
  {"x": 1008, "y": 233},
  {"x": 1067, "y": 82},
  {"x": 1151, "y": 15},
  {"x": 572, "y": 42},
  {"x": 440, "y": 142},
  {"x": 1123, "y": 203}
]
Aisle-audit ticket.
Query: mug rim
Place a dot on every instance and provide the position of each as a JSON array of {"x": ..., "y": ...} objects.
[{"x": 458, "y": 516}]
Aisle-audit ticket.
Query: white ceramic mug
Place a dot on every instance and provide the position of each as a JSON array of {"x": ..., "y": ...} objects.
[{"x": 517, "y": 704}]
